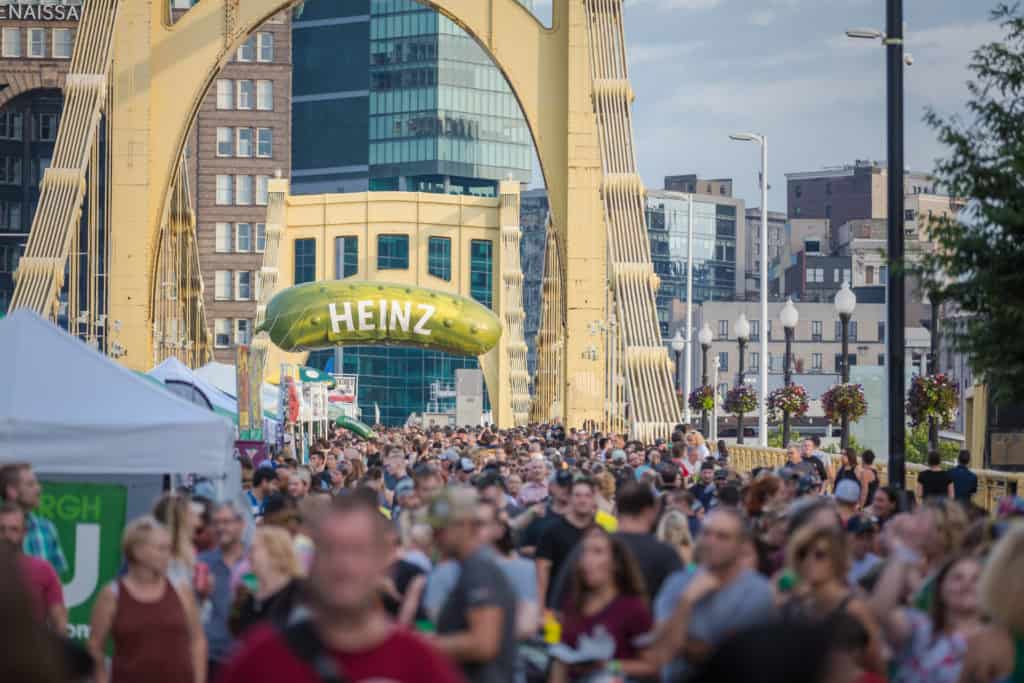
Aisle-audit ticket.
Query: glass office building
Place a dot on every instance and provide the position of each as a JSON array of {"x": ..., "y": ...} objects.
[
  {"x": 714, "y": 250},
  {"x": 442, "y": 117}
]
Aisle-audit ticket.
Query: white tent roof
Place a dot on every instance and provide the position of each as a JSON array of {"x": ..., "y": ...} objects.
[
  {"x": 68, "y": 409},
  {"x": 173, "y": 370},
  {"x": 224, "y": 377}
]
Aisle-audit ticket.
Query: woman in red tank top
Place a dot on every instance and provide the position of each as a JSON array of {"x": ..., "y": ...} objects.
[{"x": 154, "y": 625}]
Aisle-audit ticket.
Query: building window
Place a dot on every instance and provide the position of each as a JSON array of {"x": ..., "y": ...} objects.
[
  {"x": 246, "y": 94},
  {"x": 244, "y": 137},
  {"x": 10, "y": 170},
  {"x": 225, "y": 94},
  {"x": 723, "y": 329},
  {"x": 346, "y": 257},
  {"x": 305, "y": 260},
  {"x": 10, "y": 125},
  {"x": 243, "y": 285},
  {"x": 846, "y": 276},
  {"x": 243, "y": 331},
  {"x": 816, "y": 330},
  {"x": 46, "y": 127},
  {"x": 869, "y": 275},
  {"x": 881, "y": 359},
  {"x": 881, "y": 332},
  {"x": 37, "y": 42},
  {"x": 393, "y": 252},
  {"x": 222, "y": 285},
  {"x": 851, "y": 334},
  {"x": 243, "y": 190},
  {"x": 755, "y": 330},
  {"x": 770, "y": 329},
  {"x": 798, "y": 191},
  {"x": 723, "y": 389},
  {"x": 62, "y": 43},
  {"x": 265, "y": 95},
  {"x": 10, "y": 216},
  {"x": 12, "y": 42},
  {"x": 265, "y": 45},
  {"x": 812, "y": 246},
  {"x": 755, "y": 360},
  {"x": 481, "y": 271},
  {"x": 723, "y": 360},
  {"x": 225, "y": 196},
  {"x": 439, "y": 257},
  {"x": 223, "y": 241},
  {"x": 247, "y": 50},
  {"x": 222, "y": 333},
  {"x": 265, "y": 143},
  {"x": 883, "y": 275},
  {"x": 816, "y": 361},
  {"x": 261, "y": 237},
  {"x": 243, "y": 237},
  {"x": 261, "y": 189},
  {"x": 225, "y": 142}
]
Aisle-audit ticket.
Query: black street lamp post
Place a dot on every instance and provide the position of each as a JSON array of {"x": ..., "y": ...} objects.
[
  {"x": 742, "y": 336},
  {"x": 789, "y": 317},
  {"x": 704, "y": 337},
  {"x": 845, "y": 302}
]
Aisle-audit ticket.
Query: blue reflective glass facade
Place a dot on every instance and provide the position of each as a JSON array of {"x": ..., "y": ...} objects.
[
  {"x": 305, "y": 261},
  {"x": 442, "y": 117},
  {"x": 481, "y": 274},
  {"x": 346, "y": 257},
  {"x": 439, "y": 257},
  {"x": 393, "y": 252},
  {"x": 714, "y": 250}
]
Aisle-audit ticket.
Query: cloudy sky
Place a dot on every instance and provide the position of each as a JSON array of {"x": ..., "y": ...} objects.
[{"x": 705, "y": 68}]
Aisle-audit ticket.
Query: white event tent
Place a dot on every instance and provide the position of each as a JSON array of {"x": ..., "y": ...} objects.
[{"x": 67, "y": 409}]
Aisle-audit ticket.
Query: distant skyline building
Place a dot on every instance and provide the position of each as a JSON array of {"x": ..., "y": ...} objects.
[
  {"x": 533, "y": 219},
  {"x": 718, "y": 248}
]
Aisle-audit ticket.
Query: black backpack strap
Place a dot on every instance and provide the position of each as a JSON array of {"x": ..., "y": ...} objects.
[{"x": 304, "y": 642}]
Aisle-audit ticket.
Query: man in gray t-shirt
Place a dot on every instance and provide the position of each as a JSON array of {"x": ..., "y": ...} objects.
[
  {"x": 476, "y": 625},
  {"x": 744, "y": 597}
]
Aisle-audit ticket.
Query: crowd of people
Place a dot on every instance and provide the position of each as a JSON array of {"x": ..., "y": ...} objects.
[{"x": 536, "y": 554}]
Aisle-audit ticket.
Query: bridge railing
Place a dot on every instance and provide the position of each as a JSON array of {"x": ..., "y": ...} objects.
[{"x": 992, "y": 485}]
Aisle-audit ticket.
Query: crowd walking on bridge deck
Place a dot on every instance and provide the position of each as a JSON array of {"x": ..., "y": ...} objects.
[{"x": 478, "y": 555}]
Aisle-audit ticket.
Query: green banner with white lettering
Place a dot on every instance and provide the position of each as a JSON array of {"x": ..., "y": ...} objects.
[{"x": 90, "y": 519}]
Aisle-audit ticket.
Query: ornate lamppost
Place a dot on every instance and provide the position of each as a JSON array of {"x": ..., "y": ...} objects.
[
  {"x": 678, "y": 344},
  {"x": 789, "y": 317},
  {"x": 845, "y": 303},
  {"x": 704, "y": 337},
  {"x": 742, "y": 336}
]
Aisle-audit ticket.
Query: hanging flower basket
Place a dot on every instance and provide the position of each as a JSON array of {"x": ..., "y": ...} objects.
[
  {"x": 792, "y": 399},
  {"x": 844, "y": 398},
  {"x": 932, "y": 396},
  {"x": 741, "y": 399},
  {"x": 702, "y": 398}
]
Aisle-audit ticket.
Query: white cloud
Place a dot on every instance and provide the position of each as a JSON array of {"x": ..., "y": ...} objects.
[
  {"x": 761, "y": 17},
  {"x": 677, "y": 4},
  {"x": 660, "y": 53}
]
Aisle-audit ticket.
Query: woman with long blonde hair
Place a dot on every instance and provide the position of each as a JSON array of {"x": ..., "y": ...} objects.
[
  {"x": 674, "y": 529},
  {"x": 277, "y": 570},
  {"x": 180, "y": 517}
]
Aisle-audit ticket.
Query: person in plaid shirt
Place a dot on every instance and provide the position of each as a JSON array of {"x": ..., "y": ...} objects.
[{"x": 18, "y": 484}]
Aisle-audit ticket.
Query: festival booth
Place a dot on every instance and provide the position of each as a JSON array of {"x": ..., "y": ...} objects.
[
  {"x": 102, "y": 440},
  {"x": 196, "y": 387}
]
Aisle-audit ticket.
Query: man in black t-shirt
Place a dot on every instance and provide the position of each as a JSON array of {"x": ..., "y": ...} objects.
[
  {"x": 557, "y": 505},
  {"x": 476, "y": 626},
  {"x": 561, "y": 536}
]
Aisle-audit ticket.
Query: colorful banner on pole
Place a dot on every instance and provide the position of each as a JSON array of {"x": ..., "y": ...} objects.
[
  {"x": 255, "y": 401},
  {"x": 90, "y": 519}
]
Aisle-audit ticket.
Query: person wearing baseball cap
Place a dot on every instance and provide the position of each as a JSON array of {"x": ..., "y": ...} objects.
[
  {"x": 476, "y": 625},
  {"x": 847, "y": 496}
]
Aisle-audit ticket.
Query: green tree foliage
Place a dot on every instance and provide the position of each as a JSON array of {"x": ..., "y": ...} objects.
[
  {"x": 916, "y": 446},
  {"x": 978, "y": 265}
]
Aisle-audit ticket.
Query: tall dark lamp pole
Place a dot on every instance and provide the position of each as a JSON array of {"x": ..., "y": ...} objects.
[
  {"x": 933, "y": 363},
  {"x": 678, "y": 344},
  {"x": 789, "y": 317},
  {"x": 742, "y": 336},
  {"x": 846, "y": 302},
  {"x": 895, "y": 346},
  {"x": 704, "y": 337}
]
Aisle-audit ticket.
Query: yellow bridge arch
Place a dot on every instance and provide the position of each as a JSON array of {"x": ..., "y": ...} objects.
[{"x": 571, "y": 81}]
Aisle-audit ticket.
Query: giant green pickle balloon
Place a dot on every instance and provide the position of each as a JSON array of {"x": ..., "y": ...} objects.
[{"x": 318, "y": 315}]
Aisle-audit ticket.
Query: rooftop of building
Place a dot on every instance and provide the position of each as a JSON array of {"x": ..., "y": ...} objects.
[{"x": 846, "y": 170}]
